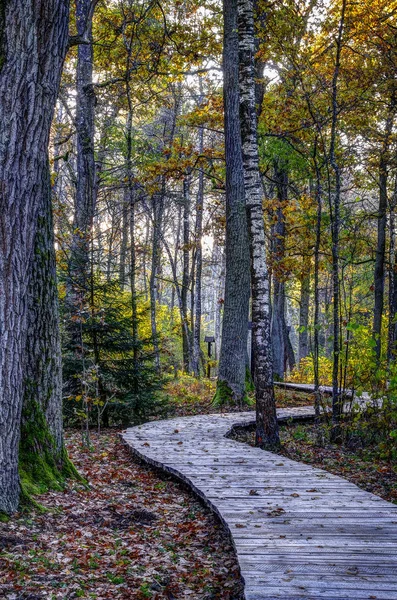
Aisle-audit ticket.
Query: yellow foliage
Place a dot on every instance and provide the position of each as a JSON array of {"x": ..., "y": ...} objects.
[{"x": 304, "y": 372}]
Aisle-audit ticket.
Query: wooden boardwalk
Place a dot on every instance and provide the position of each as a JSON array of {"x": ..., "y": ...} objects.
[{"x": 299, "y": 532}]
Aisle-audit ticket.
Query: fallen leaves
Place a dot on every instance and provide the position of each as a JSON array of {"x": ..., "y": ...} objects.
[
  {"x": 129, "y": 534},
  {"x": 299, "y": 443}
]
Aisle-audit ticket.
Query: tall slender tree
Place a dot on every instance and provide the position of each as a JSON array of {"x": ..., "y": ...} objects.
[
  {"x": 334, "y": 194},
  {"x": 199, "y": 261},
  {"x": 266, "y": 418},
  {"x": 380, "y": 258},
  {"x": 85, "y": 200}
]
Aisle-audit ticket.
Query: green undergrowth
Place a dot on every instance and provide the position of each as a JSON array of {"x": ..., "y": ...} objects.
[
  {"x": 4, "y": 518},
  {"x": 185, "y": 395}
]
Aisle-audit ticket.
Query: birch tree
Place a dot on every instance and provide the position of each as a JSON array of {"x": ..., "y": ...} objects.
[{"x": 266, "y": 418}]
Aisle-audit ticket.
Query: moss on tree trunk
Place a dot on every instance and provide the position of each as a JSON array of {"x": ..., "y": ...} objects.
[
  {"x": 41, "y": 465},
  {"x": 224, "y": 394}
]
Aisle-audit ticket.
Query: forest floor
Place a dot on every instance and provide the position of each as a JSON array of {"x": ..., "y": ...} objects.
[
  {"x": 129, "y": 534},
  {"x": 361, "y": 466},
  {"x": 132, "y": 533},
  {"x": 188, "y": 396}
]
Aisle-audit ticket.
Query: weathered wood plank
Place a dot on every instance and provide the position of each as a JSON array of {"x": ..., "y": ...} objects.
[{"x": 298, "y": 531}]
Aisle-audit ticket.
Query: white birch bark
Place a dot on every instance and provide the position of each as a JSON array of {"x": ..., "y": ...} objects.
[{"x": 266, "y": 420}]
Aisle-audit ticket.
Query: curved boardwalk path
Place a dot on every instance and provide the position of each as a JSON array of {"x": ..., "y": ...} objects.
[{"x": 299, "y": 532}]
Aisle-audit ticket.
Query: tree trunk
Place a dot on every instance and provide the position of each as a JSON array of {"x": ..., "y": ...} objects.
[
  {"x": 266, "y": 418},
  {"x": 379, "y": 272},
  {"x": 158, "y": 209},
  {"x": 283, "y": 354},
  {"x": 124, "y": 240},
  {"x": 78, "y": 284},
  {"x": 43, "y": 461},
  {"x": 34, "y": 42},
  {"x": 334, "y": 199},
  {"x": 392, "y": 333},
  {"x": 316, "y": 319},
  {"x": 277, "y": 329},
  {"x": 219, "y": 291},
  {"x": 232, "y": 363},
  {"x": 44, "y": 361},
  {"x": 278, "y": 325},
  {"x": 185, "y": 275},
  {"x": 130, "y": 202},
  {"x": 303, "y": 348},
  {"x": 199, "y": 263}
]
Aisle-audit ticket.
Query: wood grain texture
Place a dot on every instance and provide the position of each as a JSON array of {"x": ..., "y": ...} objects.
[{"x": 298, "y": 531}]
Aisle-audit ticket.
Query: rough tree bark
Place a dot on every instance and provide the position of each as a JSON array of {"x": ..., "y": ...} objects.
[
  {"x": 34, "y": 43},
  {"x": 43, "y": 349},
  {"x": 266, "y": 418},
  {"x": 232, "y": 361},
  {"x": 43, "y": 460}
]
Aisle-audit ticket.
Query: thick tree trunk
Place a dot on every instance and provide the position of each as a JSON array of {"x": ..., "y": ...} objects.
[
  {"x": 43, "y": 461},
  {"x": 266, "y": 418},
  {"x": 34, "y": 42},
  {"x": 43, "y": 349},
  {"x": 232, "y": 362}
]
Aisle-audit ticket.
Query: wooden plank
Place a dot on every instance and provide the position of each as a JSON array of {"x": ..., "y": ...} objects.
[{"x": 299, "y": 532}]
